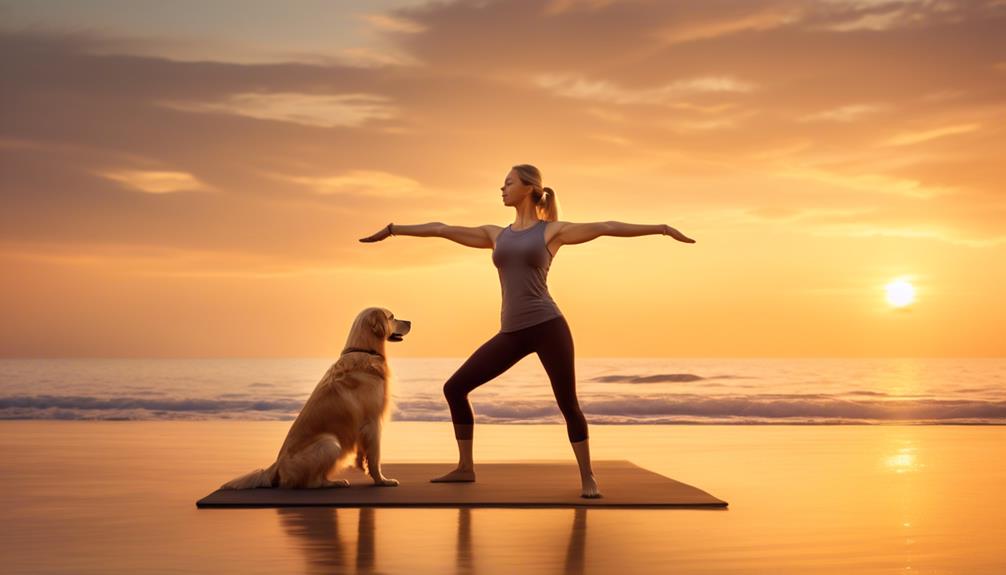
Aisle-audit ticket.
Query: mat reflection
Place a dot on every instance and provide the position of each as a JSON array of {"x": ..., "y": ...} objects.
[{"x": 324, "y": 534}]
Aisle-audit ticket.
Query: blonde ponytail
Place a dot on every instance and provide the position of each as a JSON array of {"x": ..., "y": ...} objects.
[{"x": 544, "y": 198}]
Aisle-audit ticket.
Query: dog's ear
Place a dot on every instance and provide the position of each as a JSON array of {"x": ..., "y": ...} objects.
[{"x": 378, "y": 324}]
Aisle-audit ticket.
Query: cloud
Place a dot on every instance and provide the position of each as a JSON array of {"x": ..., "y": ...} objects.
[
  {"x": 686, "y": 126},
  {"x": 234, "y": 31},
  {"x": 847, "y": 113},
  {"x": 612, "y": 139},
  {"x": 867, "y": 182},
  {"x": 392, "y": 23},
  {"x": 791, "y": 214},
  {"x": 690, "y": 31},
  {"x": 915, "y": 137},
  {"x": 369, "y": 58},
  {"x": 885, "y": 15},
  {"x": 605, "y": 91},
  {"x": 159, "y": 261},
  {"x": 940, "y": 233},
  {"x": 557, "y": 7},
  {"x": 155, "y": 182},
  {"x": 324, "y": 110},
  {"x": 876, "y": 22},
  {"x": 959, "y": 223},
  {"x": 366, "y": 183}
]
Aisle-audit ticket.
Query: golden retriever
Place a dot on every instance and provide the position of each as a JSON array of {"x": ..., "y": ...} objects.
[{"x": 342, "y": 417}]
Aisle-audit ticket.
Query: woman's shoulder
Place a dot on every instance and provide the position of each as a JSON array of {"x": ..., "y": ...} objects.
[
  {"x": 553, "y": 227},
  {"x": 493, "y": 231},
  {"x": 552, "y": 230}
]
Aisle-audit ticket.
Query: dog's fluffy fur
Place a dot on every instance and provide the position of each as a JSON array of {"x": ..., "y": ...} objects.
[{"x": 343, "y": 417}]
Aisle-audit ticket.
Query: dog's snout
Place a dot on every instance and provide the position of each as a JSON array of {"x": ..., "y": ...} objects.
[{"x": 399, "y": 329}]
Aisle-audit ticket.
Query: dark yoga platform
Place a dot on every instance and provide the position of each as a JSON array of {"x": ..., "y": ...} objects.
[{"x": 538, "y": 484}]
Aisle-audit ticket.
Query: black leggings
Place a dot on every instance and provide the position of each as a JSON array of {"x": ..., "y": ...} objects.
[{"x": 553, "y": 343}]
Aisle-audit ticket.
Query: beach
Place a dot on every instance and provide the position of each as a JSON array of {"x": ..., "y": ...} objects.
[
  {"x": 773, "y": 233},
  {"x": 119, "y": 497}
]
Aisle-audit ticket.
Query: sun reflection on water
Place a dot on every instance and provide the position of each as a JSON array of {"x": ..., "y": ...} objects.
[{"x": 905, "y": 460}]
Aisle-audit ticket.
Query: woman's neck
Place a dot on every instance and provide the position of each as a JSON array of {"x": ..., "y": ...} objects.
[{"x": 527, "y": 216}]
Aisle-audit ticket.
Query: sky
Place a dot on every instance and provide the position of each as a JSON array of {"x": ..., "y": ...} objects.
[{"x": 192, "y": 180}]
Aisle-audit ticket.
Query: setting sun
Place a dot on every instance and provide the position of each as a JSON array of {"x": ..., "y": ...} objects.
[{"x": 900, "y": 293}]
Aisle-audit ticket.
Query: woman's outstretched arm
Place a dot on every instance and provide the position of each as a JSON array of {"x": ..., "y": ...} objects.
[
  {"x": 571, "y": 233},
  {"x": 475, "y": 237}
]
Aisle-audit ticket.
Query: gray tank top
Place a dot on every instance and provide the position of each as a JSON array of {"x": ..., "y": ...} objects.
[{"x": 522, "y": 259}]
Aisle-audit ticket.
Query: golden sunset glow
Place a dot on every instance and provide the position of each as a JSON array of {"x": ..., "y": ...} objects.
[
  {"x": 202, "y": 193},
  {"x": 746, "y": 317}
]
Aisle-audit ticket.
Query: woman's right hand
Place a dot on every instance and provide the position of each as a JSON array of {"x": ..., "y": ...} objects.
[
  {"x": 674, "y": 233},
  {"x": 385, "y": 232}
]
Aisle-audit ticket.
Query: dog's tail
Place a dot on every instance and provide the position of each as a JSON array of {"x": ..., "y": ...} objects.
[{"x": 259, "y": 478}]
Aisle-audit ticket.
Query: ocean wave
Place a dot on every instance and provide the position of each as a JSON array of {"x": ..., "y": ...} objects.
[
  {"x": 185, "y": 404},
  {"x": 605, "y": 409},
  {"x": 666, "y": 378}
]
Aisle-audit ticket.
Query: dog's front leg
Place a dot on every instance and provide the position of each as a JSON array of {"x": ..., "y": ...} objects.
[{"x": 371, "y": 436}]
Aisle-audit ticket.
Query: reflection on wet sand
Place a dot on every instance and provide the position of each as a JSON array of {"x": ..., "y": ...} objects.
[
  {"x": 464, "y": 547},
  {"x": 315, "y": 530}
]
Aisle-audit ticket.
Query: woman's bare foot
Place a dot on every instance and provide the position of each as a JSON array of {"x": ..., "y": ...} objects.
[
  {"x": 589, "y": 489},
  {"x": 458, "y": 475}
]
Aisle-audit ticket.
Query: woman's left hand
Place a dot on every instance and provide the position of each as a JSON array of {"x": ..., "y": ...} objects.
[{"x": 669, "y": 231}]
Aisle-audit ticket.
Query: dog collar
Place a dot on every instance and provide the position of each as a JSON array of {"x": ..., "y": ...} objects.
[{"x": 352, "y": 349}]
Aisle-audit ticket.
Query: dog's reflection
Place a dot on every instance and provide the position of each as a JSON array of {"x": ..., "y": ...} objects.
[{"x": 316, "y": 530}]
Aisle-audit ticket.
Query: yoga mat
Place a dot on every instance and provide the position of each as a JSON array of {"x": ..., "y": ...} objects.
[{"x": 514, "y": 484}]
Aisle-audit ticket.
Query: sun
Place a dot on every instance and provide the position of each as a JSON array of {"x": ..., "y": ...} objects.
[{"x": 900, "y": 293}]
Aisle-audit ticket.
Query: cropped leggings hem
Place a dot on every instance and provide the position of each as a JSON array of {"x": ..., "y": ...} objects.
[{"x": 553, "y": 343}]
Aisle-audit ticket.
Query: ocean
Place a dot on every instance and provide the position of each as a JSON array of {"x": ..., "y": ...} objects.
[{"x": 611, "y": 390}]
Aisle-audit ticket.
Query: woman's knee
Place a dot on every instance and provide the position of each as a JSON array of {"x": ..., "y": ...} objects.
[
  {"x": 453, "y": 391},
  {"x": 576, "y": 422},
  {"x": 572, "y": 413}
]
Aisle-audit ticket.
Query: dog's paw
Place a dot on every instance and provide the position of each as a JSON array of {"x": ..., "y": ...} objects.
[
  {"x": 337, "y": 483},
  {"x": 385, "y": 482}
]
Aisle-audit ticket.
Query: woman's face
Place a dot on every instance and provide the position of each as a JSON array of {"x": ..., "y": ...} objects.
[{"x": 513, "y": 189}]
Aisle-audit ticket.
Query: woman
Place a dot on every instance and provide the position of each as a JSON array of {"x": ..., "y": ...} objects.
[{"x": 530, "y": 319}]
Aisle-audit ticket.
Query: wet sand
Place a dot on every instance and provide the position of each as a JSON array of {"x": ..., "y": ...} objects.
[{"x": 118, "y": 497}]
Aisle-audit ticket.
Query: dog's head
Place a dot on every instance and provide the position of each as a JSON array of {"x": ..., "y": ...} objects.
[
  {"x": 375, "y": 325},
  {"x": 386, "y": 326}
]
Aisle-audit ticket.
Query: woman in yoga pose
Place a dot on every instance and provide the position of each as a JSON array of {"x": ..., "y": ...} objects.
[{"x": 530, "y": 319}]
